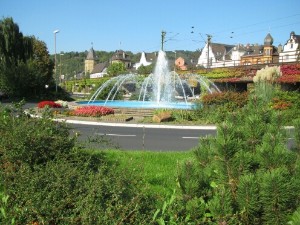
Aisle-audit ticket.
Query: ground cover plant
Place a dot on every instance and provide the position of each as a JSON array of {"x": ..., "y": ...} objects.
[{"x": 94, "y": 111}]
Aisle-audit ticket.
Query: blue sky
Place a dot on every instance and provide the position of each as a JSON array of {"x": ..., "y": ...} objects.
[{"x": 136, "y": 25}]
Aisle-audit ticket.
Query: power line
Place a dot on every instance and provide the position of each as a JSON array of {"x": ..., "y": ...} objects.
[{"x": 255, "y": 24}]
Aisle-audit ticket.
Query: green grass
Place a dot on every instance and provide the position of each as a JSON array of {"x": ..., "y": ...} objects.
[{"x": 158, "y": 169}]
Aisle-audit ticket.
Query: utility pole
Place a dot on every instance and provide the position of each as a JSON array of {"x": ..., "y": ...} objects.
[
  {"x": 208, "y": 44},
  {"x": 163, "y": 35}
]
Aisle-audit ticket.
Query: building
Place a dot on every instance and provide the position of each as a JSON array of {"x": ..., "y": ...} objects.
[
  {"x": 215, "y": 55},
  {"x": 146, "y": 59},
  {"x": 90, "y": 62},
  {"x": 260, "y": 54},
  {"x": 180, "y": 63},
  {"x": 99, "y": 70},
  {"x": 121, "y": 56},
  {"x": 291, "y": 50}
]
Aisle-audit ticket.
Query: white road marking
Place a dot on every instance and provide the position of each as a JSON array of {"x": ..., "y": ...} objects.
[
  {"x": 117, "y": 135},
  {"x": 190, "y": 137}
]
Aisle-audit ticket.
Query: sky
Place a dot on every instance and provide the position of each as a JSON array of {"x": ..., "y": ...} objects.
[{"x": 137, "y": 25}]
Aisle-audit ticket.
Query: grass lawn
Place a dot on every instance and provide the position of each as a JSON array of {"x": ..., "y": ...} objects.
[{"x": 159, "y": 169}]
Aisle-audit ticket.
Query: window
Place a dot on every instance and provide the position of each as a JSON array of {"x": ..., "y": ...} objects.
[{"x": 291, "y": 45}]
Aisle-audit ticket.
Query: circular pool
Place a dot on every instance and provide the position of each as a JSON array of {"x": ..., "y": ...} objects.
[{"x": 140, "y": 104}]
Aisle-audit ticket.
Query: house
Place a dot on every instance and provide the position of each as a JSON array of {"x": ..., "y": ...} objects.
[
  {"x": 260, "y": 54},
  {"x": 291, "y": 50},
  {"x": 99, "y": 70},
  {"x": 215, "y": 55},
  {"x": 146, "y": 59},
  {"x": 180, "y": 63},
  {"x": 183, "y": 64},
  {"x": 121, "y": 56}
]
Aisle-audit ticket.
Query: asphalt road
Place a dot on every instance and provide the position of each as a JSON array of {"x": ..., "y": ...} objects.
[
  {"x": 162, "y": 138},
  {"x": 144, "y": 137}
]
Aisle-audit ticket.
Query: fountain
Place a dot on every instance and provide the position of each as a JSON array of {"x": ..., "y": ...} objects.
[{"x": 161, "y": 89}]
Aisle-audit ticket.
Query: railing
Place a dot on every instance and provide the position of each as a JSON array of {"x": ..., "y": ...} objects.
[{"x": 286, "y": 58}]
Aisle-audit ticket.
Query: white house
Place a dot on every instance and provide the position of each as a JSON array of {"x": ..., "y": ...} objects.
[
  {"x": 146, "y": 60},
  {"x": 219, "y": 55},
  {"x": 291, "y": 50}
]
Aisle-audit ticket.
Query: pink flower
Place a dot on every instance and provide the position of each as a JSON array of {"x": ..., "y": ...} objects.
[{"x": 95, "y": 111}]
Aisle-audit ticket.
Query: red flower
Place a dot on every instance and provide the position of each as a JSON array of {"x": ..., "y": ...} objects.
[{"x": 51, "y": 104}]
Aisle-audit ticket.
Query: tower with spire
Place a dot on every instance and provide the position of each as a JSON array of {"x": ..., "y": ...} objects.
[{"x": 90, "y": 61}]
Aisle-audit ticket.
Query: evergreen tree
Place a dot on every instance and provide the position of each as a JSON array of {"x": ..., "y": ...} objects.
[{"x": 246, "y": 174}]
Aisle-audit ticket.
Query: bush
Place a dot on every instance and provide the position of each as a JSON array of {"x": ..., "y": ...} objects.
[
  {"x": 46, "y": 179},
  {"x": 244, "y": 175}
]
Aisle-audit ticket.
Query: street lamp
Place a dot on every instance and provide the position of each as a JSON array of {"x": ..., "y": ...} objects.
[
  {"x": 55, "y": 32},
  {"x": 60, "y": 66},
  {"x": 175, "y": 62}
]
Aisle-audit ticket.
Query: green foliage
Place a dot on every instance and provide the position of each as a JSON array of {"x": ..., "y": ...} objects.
[
  {"x": 25, "y": 67},
  {"x": 244, "y": 175},
  {"x": 49, "y": 180},
  {"x": 216, "y": 107},
  {"x": 116, "y": 69},
  {"x": 297, "y": 135},
  {"x": 216, "y": 98},
  {"x": 295, "y": 218},
  {"x": 145, "y": 70}
]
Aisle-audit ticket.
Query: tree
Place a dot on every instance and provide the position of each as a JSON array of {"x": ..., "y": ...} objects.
[
  {"x": 25, "y": 65},
  {"x": 145, "y": 70},
  {"x": 116, "y": 69},
  {"x": 14, "y": 52},
  {"x": 40, "y": 67}
]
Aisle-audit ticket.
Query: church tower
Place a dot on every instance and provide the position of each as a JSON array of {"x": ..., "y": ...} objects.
[{"x": 90, "y": 61}]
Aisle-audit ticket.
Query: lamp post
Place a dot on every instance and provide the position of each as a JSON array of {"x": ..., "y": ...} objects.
[
  {"x": 175, "y": 62},
  {"x": 55, "y": 32},
  {"x": 60, "y": 66}
]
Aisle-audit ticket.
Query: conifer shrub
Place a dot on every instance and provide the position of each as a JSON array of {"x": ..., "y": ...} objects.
[{"x": 244, "y": 175}]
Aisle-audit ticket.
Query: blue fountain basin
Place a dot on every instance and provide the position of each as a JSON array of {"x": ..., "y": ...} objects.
[{"x": 140, "y": 104}]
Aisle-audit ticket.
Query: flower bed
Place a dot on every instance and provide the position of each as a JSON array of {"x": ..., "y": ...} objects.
[
  {"x": 290, "y": 73},
  {"x": 95, "y": 111},
  {"x": 50, "y": 104}
]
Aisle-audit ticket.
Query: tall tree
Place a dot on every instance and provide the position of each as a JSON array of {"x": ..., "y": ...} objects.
[
  {"x": 40, "y": 68},
  {"x": 25, "y": 65}
]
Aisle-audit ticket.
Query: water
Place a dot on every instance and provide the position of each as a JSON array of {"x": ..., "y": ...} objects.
[
  {"x": 140, "y": 104},
  {"x": 161, "y": 89}
]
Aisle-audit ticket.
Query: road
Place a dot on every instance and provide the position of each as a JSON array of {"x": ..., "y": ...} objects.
[
  {"x": 143, "y": 137},
  {"x": 148, "y": 137}
]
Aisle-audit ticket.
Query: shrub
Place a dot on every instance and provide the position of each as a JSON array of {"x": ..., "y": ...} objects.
[
  {"x": 244, "y": 175},
  {"x": 50, "y": 104},
  {"x": 95, "y": 111},
  {"x": 216, "y": 98},
  {"x": 290, "y": 73},
  {"x": 51, "y": 181}
]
